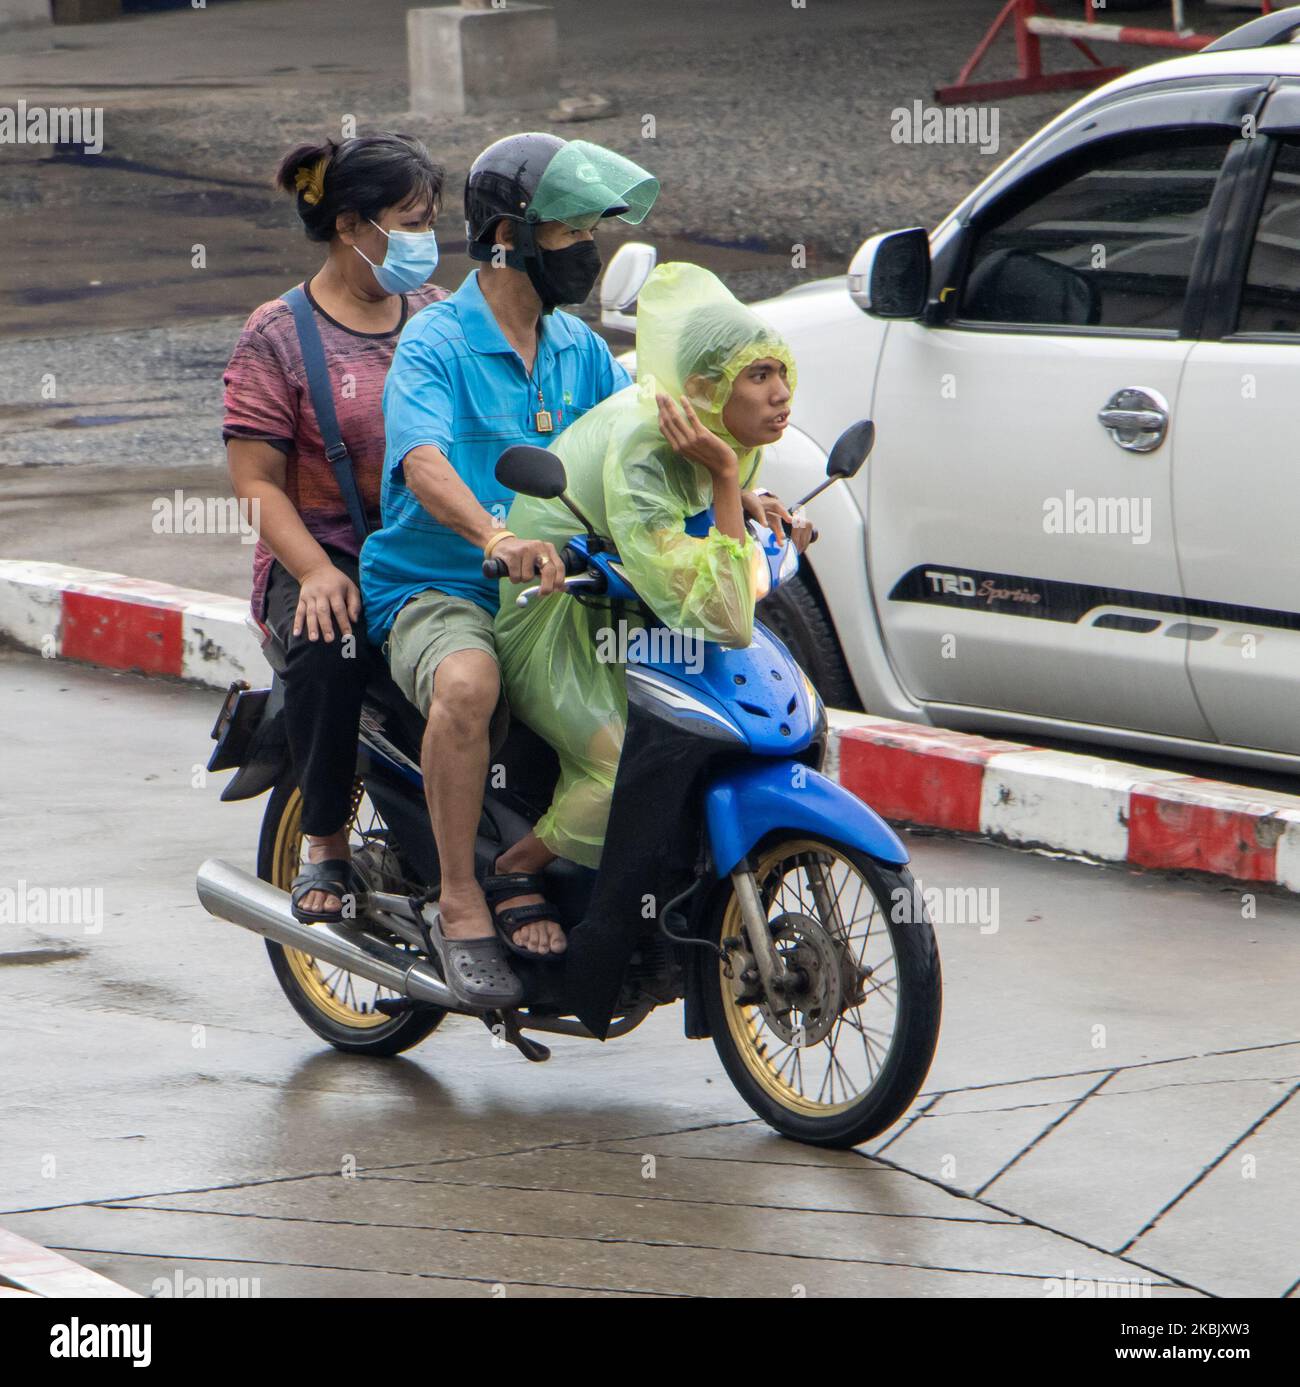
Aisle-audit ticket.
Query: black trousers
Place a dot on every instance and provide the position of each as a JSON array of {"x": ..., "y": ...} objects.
[{"x": 324, "y": 682}]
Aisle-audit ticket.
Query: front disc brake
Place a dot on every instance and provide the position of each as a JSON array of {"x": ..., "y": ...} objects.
[{"x": 810, "y": 999}]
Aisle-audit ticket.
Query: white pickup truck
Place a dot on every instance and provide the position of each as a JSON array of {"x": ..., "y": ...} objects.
[{"x": 1082, "y": 515}]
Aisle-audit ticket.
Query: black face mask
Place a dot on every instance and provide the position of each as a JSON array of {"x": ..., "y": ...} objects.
[{"x": 565, "y": 276}]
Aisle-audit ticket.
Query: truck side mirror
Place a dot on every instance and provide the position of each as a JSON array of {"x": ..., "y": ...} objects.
[
  {"x": 889, "y": 277},
  {"x": 623, "y": 280}
]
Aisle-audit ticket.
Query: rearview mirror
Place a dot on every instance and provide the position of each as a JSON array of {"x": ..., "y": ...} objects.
[
  {"x": 889, "y": 277},
  {"x": 532, "y": 471},
  {"x": 623, "y": 280},
  {"x": 846, "y": 459},
  {"x": 851, "y": 450}
]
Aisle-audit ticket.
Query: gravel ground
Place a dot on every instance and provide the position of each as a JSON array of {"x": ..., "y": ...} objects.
[
  {"x": 151, "y": 395},
  {"x": 771, "y": 124},
  {"x": 772, "y": 128}
]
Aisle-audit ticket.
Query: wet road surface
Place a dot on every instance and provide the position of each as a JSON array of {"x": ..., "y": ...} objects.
[{"x": 1113, "y": 1098}]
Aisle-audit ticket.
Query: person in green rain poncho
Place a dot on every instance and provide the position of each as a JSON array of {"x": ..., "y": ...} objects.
[{"x": 714, "y": 384}]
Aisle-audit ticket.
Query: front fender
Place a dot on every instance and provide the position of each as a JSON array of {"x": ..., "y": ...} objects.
[{"x": 743, "y": 807}]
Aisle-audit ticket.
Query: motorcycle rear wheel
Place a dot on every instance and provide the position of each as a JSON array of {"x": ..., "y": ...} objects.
[
  {"x": 336, "y": 1004},
  {"x": 845, "y": 1065}
]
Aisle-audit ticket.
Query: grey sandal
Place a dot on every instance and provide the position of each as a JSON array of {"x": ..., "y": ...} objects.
[{"x": 476, "y": 970}]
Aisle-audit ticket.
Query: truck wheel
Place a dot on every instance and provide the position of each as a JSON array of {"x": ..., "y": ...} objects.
[{"x": 795, "y": 614}]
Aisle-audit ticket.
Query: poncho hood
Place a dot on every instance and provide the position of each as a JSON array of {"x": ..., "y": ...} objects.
[{"x": 691, "y": 328}]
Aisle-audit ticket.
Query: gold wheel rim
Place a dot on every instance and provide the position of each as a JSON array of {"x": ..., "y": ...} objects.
[
  {"x": 332, "y": 993},
  {"x": 749, "y": 1031}
]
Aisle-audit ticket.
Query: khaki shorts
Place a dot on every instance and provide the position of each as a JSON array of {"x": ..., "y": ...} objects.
[{"x": 430, "y": 627}]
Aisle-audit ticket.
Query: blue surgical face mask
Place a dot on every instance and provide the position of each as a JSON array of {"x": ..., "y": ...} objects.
[{"x": 412, "y": 257}]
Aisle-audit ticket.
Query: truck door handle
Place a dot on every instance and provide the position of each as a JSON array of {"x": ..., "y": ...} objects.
[{"x": 1136, "y": 417}]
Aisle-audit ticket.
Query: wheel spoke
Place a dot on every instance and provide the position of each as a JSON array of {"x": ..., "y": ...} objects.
[
  {"x": 791, "y": 1054},
  {"x": 849, "y": 1086},
  {"x": 341, "y": 996},
  {"x": 836, "y": 920},
  {"x": 829, "y": 1076}
]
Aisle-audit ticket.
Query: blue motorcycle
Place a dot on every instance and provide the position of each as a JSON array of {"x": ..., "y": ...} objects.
[{"x": 736, "y": 877}]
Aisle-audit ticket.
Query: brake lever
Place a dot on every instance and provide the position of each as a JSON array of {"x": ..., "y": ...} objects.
[{"x": 579, "y": 583}]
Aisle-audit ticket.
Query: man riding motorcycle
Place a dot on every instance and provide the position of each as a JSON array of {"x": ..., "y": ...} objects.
[{"x": 495, "y": 365}]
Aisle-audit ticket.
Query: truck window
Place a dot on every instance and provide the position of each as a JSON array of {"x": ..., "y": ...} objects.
[
  {"x": 1270, "y": 300},
  {"x": 1105, "y": 239}
]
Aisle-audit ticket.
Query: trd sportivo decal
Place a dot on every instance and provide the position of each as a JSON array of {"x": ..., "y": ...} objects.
[{"x": 1014, "y": 595}]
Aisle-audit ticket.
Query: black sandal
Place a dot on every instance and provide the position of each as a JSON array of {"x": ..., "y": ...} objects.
[
  {"x": 510, "y": 921},
  {"x": 335, "y": 876}
]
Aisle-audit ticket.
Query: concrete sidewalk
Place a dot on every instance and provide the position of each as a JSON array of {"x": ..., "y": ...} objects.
[
  {"x": 1111, "y": 1110},
  {"x": 27, "y": 1269}
]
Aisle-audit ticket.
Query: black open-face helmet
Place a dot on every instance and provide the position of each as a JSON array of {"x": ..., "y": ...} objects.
[{"x": 535, "y": 177}]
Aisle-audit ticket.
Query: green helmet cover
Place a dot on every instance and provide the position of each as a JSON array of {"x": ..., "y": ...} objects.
[{"x": 584, "y": 183}]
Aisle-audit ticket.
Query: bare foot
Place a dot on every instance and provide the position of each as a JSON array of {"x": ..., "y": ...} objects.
[
  {"x": 538, "y": 936},
  {"x": 334, "y": 845},
  {"x": 464, "y": 913}
]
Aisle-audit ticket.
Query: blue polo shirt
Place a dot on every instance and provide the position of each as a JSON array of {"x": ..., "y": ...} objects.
[{"x": 455, "y": 382}]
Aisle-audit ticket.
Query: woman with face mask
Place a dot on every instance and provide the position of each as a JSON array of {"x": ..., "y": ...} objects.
[
  {"x": 371, "y": 202},
  {"x": 667, "y": 469}
]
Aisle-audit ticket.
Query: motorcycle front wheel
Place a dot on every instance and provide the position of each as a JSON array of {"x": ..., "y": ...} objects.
[
  {"x": 339, "y": 1006},
  {"x": 845, "y": 1052}
]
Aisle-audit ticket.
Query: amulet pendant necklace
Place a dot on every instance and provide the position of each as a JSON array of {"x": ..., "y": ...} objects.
[
  {"x": 542, "y": 420},
  {"x": 543, "y": 415}
]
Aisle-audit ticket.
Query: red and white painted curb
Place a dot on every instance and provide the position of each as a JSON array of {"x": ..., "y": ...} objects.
[
  {"x": 1105, "y": 810},
  {"x": 127, "y": 623}
]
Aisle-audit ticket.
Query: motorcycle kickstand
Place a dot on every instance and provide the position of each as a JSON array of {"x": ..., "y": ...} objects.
[{"x": 509, "y": 1022}]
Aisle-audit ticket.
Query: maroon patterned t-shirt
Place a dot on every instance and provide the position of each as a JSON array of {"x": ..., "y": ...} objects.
[{"x": 267, "y": 399}]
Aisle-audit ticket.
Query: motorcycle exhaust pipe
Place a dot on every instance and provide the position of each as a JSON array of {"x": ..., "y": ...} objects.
[{"x": 233, "y": 895}]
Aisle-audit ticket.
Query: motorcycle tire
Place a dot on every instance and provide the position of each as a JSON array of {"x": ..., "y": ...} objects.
[
  {"x": 334, "y": 1009},
  {"x": 766, "y": 1069}
]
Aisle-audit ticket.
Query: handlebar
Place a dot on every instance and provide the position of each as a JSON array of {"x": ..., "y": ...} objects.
[{"x": 573, "y": 563}]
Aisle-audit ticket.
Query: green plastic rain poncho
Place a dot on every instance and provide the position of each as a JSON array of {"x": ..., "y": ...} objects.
[{"x": 693, "y": 338}]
